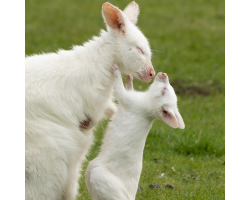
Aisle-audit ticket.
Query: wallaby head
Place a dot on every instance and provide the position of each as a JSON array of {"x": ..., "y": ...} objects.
[
  {"x": 133, "y": 54},
  {"x": 163, "y": 99}
]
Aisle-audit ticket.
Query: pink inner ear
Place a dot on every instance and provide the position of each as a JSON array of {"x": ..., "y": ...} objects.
[
  {"x": 169, "y": 118},
  {"x": 112, "y": 16},
  {"x": 163, "y": 90},
  {"x": 181, "y": 123}
]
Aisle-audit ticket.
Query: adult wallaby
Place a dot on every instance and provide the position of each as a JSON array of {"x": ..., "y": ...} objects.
[
  {"x": 115, "y": 172},
  {"x": 68, "y": 92}
]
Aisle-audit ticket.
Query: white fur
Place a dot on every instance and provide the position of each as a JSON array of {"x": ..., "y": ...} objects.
[
  {"x": 115, "y": 172},
  {"x": 67, "y": 88}
]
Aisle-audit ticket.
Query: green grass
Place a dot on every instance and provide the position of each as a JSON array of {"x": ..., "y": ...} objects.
[{"x": 188, "y": 41}]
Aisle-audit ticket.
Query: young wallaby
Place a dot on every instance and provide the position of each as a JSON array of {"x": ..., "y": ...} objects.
[
  {"x": 68, "y": 92},
  {"x": 115, "y": 172}
]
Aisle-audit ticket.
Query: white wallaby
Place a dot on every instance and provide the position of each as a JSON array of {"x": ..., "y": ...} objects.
[
  {"x": 68, "y": 92},
  {"x": 115, "y": 172}
]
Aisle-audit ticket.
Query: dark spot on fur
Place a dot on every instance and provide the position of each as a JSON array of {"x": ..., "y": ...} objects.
[{"x": 85, "y": 124}]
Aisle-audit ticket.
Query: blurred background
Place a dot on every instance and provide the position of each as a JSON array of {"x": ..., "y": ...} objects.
[{"x": 187, "y": 38}]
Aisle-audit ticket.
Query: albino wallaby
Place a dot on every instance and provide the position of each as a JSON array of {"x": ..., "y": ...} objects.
[
  {"x": 115, "y": 172},
  {"x": 68, "y": 92}
]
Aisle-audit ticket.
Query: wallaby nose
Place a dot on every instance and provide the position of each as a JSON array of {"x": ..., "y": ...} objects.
[
  {"x": 162, "y": 75},
  {"x": 152, "y": 73},
  {"x": 148, "y": 75}
]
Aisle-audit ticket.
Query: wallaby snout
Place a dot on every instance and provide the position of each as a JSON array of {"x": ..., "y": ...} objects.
[
  {"x": 150, "y": 72},
  {"x": 162, "y": 77},
  {"x": 149, "y": 75}
]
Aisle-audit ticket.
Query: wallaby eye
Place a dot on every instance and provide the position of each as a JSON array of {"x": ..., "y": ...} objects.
[
  {"x": 165, "y": 112},
  {"x": 140, "y": 50}
]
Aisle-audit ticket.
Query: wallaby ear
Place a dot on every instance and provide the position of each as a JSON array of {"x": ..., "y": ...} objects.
[
  {"x": 169, "y": 118},
  {"x": 112, "y": 16},
  {"x": 132, "y": 12},
  {"x": 181, "y": 124}
]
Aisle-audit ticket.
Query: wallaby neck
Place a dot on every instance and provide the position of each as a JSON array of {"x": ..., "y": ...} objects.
[
  {"x": 95, "y": 58},
  {"x": 103, "y": 49},
  {"x": 128, "y": 132}
]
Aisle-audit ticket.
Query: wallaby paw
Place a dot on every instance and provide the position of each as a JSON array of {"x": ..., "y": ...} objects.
[
  {"x": 110, "y": 112},
  {"x": 129, "y": 82},
  {"x": 115, "y": 69},
  {"x": 129, "y": 78}
]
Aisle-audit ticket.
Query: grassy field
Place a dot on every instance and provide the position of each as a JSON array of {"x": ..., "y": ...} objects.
[{"x": 188, "y": 42}]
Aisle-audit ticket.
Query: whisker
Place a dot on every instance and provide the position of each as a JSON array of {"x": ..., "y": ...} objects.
[
  {"x": 153, "y": 55},
  {"x": 156, "y": 50},
  {"x": 156, "y": 70}
]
